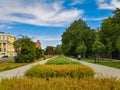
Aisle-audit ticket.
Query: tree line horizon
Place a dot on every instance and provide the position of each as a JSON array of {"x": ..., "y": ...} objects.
[{"x": 79, "y": 38}]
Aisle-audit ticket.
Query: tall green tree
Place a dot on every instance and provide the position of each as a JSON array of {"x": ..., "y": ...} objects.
[
  {"x": 81, "y": 49},
  {"x": 49, "y": 50},
  {"x": 76, "y": 33},
  {"x": 98, "y": 48},
  {"x": 118, "y": 44},
  {"x": 110, "y": 31},
  {"x": 58, "y": 50},
  {"x": 25, "y": 49}
]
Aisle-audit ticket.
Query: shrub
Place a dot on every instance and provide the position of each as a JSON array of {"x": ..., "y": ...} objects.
[
  {"x": 38, "y": 53},
  {"x": 60, "y": 84},
  {"x": 25, "y": 49},
  {"x": 51, "y": 71}
]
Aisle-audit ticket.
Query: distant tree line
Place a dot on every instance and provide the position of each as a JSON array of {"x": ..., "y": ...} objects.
[
  {"x": 79, "y": 38},
  {"x": 50, "y": 50}
]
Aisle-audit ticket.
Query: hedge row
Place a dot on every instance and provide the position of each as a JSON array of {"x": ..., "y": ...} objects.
[{"x": 51, "y": 71}]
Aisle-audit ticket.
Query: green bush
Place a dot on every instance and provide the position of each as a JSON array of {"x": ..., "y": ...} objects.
[
  {"x": 25, "y": 49},
  {"x": 51, "y": 71}
]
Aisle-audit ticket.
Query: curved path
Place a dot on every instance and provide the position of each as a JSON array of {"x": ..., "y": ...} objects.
[
  {"x": 19, "y": 72},
  {"x": 103, "y": 71},
  {"x": 99, "y": 69}
]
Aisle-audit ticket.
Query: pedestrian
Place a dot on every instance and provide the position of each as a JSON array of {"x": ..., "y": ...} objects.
[{"x": 79, "y": 57}]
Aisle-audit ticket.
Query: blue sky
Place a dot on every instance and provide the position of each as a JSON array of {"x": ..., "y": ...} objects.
[{"x": 46, "y": 20}]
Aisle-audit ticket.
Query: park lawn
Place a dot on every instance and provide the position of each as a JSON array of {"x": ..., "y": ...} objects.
[
  {"x": 114, "y": 64},
  {"x": 61, "y": 60},
  {"x": 110, "y": 64},
  {"x": 10, "y": 65}
]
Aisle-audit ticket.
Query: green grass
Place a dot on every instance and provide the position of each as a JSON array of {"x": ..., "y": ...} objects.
[
  {"x": 60, "y": 84},
  {"x": 109, "y": 63},
  {"x": 10, "y": 65},
  {"x": 61, "y": 60}
]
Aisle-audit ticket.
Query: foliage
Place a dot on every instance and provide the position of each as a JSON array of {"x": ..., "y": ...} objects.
[
  {"x": 58, "y": 50},
  {"x": 98, "y": 47},
  {"x": 60, "y": 84},
  {"x": 76, "y": 33},
  {"x": 57, "y": 71},
  {"x": 81, "y": 49},
  {"x": 60, "y": 60},
  {"x": 118, "y": 43},
  {"x": 39, "y": 53},
  {"x": 49, "y": 50},
  {"x": 110, "y": 32},
  {"x": 10, "y": 65},
  {"x": 25, "y": 49}
]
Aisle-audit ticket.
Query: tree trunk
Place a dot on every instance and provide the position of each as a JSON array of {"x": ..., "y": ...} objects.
[{"x": 95, "y": 58}]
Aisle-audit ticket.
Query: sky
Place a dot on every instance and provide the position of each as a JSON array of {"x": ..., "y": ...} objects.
[{"x": 46, "y": 20}]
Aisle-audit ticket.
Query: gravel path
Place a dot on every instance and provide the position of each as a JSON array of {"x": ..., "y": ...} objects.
[
  {"x": 103, "y": 71},
  {"x": 19, "y": 72}
]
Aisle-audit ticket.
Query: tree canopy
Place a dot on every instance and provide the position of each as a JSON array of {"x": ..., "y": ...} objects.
[
  {"x": 74, "y": 35},
  {"x": 110, "y": 32}
]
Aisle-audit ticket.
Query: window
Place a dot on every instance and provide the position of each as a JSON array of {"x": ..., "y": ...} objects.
[{"x": 3, "y": 37}]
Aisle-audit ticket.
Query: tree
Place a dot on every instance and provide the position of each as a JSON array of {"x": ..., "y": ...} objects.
[
  {"x": 81, "y": 49},
  {"x": 109, "y": 32},
  {"x": 25, "y": 49},
  {"x": 98, "y": 48},
  {"x": 49, "y": 50},
  {"x": 58, "y": 50},
  {"x": 39, "y": 53},
  {"x": 118, "y": 44},
  {"x": 76, "y": 33}
]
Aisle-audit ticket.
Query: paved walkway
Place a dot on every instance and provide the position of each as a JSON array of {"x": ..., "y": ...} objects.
[
  {"x": 19, "y": 72},
  {"x": 103, "y": 71}
]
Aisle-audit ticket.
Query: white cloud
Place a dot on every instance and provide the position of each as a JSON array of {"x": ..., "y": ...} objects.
[
  {"x": 3, "y": 26},
  {"x": 112, "y": 4},
  {"x": 74, "y": 2},
  {"x": 37, "y": 13},
  {"x": 95, "y": 19}
]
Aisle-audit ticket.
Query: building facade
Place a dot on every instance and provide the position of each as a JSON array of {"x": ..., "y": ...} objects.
[
  {"x": 6, "y": 44},
  {"x": 38, "y": 44}
]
